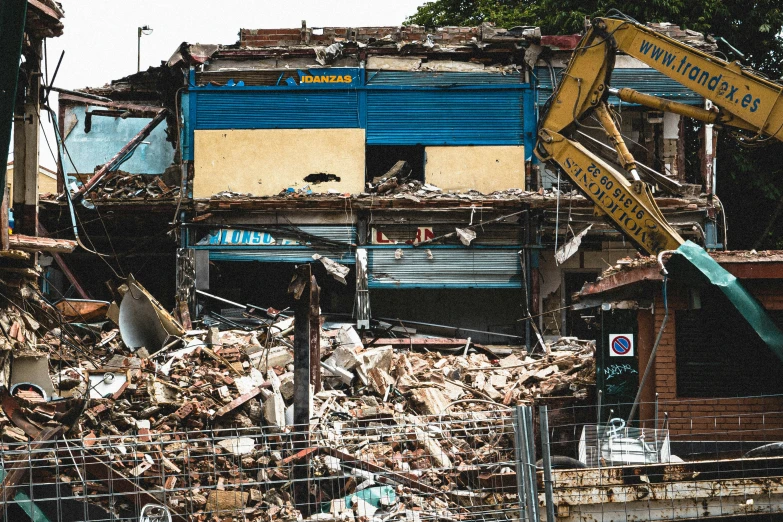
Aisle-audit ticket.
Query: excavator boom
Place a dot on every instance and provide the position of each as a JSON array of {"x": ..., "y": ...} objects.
[
  {"x": 744, "y": 100},
  {"x": 734, "y": 89}
]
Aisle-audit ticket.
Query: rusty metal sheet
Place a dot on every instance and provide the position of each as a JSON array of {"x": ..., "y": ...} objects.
[
  {"x": 670, "y": 491},
  {"x": 673, "y": 501}
]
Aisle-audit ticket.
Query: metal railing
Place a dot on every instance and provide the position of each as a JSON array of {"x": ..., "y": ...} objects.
[
  {"x": 685, "y": 459},
  {"x": 456, "y": 466},
  {"x": 384, "y": 466}
]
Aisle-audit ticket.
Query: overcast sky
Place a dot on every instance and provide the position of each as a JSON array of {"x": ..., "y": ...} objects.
[{"x": 100, "y": 35}]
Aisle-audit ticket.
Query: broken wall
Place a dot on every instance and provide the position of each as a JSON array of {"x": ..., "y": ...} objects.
[
  {"x": 704, "y": 418},
  {"x": 264, "y": 162},
  {"x": 328, "y": 35},
  {"x": 94, "y": 144},
  {"x": 322, "y": 110},
  {"x": 483, "y": 168},
  {"x": 552, "y": 298}
]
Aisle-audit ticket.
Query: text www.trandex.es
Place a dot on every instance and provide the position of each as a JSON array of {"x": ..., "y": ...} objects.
[{"x": 717, "y": 84}]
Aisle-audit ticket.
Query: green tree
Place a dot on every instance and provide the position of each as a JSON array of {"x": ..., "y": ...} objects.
[{"x": 750, "y": 180}]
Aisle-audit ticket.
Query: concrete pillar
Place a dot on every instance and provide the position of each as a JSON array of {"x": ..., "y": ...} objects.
[
  {"x": 645, "y": 339},
  {"x": 671, "y": 138},
  {"x": 26, "y": 134}
]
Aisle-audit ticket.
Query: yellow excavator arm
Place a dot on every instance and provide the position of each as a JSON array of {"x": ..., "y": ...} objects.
[{"x": 744, "y": 100}]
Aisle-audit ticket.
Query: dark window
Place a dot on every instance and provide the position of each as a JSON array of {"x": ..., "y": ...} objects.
[
  {"x": 380, "y": 158},
  {"x": 578, "y": 322},
  {"x": 719, "y": 354}
]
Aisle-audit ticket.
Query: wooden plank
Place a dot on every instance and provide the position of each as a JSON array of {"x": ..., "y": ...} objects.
[
  {"x": 315, "y": 335},
  {"x": 4, "y": 239},
  {"x": 301, "y": 289},
  {"x": 239, "y": 401},
  {"x": 41, "y": 244},
  {"x": 82, "y": 310},
  {"x": 64, "y": 267}
]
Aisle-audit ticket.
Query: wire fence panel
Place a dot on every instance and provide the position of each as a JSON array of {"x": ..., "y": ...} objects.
[
  {"x": 685, "y": 459},
  {"x": 373, "y": 464},
  {"x": 382, "y": 467}
]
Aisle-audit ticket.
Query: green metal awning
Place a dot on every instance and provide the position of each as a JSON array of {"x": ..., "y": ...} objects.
[{"x": 694, "y": 263}]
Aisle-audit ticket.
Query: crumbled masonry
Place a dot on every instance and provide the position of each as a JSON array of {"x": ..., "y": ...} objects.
[{"x": 215, "y": 380}]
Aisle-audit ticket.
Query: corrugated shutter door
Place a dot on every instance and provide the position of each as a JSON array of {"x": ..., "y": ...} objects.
[
  {"x": 278, "y": 254},
  {"x": 441, "y": 79},
  {"x": 448, "y": 117},
  {"x": 401, "y": 110},
  {"x": 449, "y": 268},
  {"x": 276, "y": 109},
  {"x": 647, "y": 81},
  {"x": 292, "y": 254}
]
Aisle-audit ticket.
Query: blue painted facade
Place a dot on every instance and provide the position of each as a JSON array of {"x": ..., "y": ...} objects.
[
  {"x": 451, "y": 267},
  {"x": 108, "y": 135},
  {"x": 647, "y": 81},
  {"x": 395, "y": 108}
]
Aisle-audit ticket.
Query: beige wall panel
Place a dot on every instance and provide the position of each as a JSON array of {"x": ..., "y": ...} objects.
[
  {"x": 46, "y": 184},
  {"x": 263, "y": 162},
  {"x": 485, "y": 169}
]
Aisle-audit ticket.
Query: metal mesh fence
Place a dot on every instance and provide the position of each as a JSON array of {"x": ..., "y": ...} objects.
[
  {"x": 704, "y": 458},
  {"x": 685, "y": 459},
  {"x": 457, "y": 466}
]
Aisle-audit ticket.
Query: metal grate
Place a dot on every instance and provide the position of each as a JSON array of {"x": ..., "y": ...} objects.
[
  {"x": 383, "y": 466},
  {"x": 275, "y": 109},
  {"x": 718, "y": 355}
]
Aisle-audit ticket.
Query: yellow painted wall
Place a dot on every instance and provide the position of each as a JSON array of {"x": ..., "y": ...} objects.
[
  {"x": 482, "y": 168},
  {"x": 47, "y": 181},
  {"x": 263, "y": 162},
  {"x": 46, "y": 184}
]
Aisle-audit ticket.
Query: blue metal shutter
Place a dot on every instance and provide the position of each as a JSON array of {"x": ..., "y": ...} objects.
[
  {"x": 293, "y": 253},
  {"x": 441, "y": 79},
  {"x": 451, "y": 267},
  {"x": 647, "y": 81},
  {"x": 296, "y": 254},
  {"x": 261, "y": 108},
  {"x": 432, "y": 108},
  {"x": 480, "y": 117}
]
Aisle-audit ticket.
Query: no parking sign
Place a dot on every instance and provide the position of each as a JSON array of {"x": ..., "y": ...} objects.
[{"x": 621, "y": 345}]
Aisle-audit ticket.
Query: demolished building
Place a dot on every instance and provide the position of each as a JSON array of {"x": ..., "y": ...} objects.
[
  {"x": 692, "y": 346},
  {"x": 354, "y": 142},
  {"x": 313, "y": 170}
]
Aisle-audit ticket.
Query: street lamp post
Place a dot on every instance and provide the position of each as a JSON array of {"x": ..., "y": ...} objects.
[{"x": 145, "y": 29}]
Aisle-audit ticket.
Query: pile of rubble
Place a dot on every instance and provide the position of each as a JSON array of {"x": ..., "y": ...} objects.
[
  {"x": 245, "y": 379},
  {"x": 689, "y": 37},
  {"x": 120, "y": 185},
  {"x": 629, "y": 263},
  {"x": 136, "y": 186},
  {"x": 382, "y": 410}
]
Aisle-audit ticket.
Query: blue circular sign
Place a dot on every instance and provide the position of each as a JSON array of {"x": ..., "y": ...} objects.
[{"x": 621, "y": 345}]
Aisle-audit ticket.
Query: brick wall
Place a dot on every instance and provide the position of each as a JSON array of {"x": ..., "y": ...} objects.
[
  {"x": 269, "y": 37},
  {"x": 752, "y": 419},
  {"x": 328, "y": 35}
]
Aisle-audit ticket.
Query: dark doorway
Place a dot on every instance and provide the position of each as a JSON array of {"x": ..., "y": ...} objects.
[
  {"x": 380, "y": 158},
  {"x": 575, "y": 324},
  {"x": 265, "y": 284}
]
